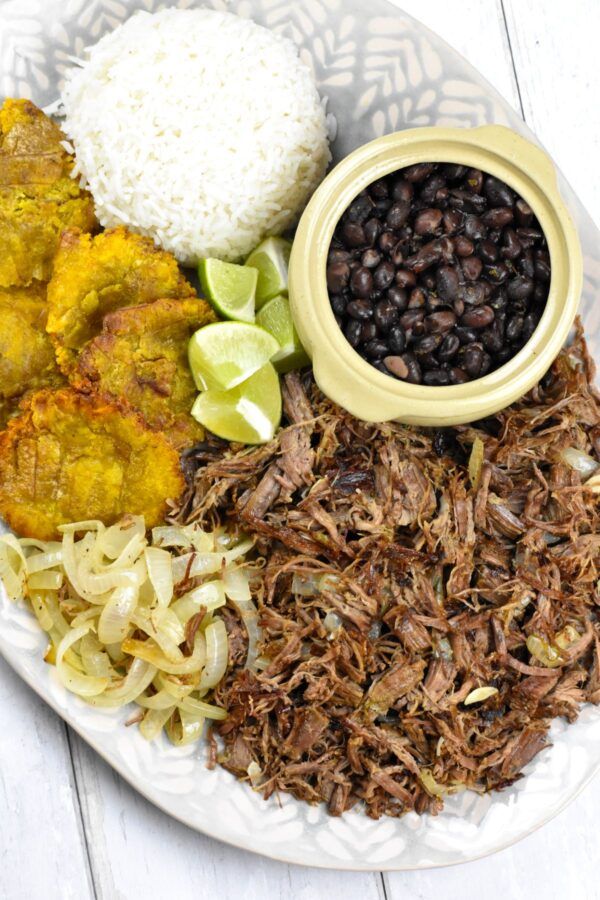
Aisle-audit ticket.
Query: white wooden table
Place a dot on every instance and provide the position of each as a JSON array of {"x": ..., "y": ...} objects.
[{"x": 71, "y": 828}]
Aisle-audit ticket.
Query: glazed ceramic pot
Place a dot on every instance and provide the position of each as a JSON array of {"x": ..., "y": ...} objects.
[{"x": 348, "y": 379}]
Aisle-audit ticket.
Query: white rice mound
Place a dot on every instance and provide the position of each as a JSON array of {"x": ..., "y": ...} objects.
[{"x": 198, "y": 128}]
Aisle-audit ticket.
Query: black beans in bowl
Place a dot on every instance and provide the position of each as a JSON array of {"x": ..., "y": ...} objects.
[{"x": 438, "y": 273}]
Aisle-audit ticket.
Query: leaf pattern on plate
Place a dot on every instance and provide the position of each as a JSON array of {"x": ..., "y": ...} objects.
[{"x": 380, "y": 71}]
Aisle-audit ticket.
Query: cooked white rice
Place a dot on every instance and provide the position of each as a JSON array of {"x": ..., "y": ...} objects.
[{"x": 198, "y": 128}]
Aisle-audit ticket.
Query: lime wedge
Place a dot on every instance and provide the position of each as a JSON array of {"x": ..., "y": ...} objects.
[
  {"x": 276, "y": 318},
  {"x": 271, "y": 258},
  {"x": 223, "y": 355},
  {"x": 229, "y": 288},
  {"x": 249, "y": 413}
]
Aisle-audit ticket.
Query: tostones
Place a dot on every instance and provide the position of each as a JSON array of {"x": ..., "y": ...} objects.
[
  {"x": 94, "y": 276},
  {"x": 27, "y": 361},
  {"x": 38, "y": 197},
  {"x": 71, "y": 456},
  {"x": 141, "y": 356}
]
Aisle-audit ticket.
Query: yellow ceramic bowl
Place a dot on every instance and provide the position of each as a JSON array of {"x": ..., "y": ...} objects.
[{"x": 339, "y": 371}]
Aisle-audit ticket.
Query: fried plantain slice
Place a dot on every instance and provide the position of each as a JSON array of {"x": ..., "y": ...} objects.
[
  {"x": 27, "y": 361},
  {"x": 72, "y": 456},
  {"x": 38, "y": 196},
  {"x": 94, "y": 276},
  {"x": 140, "y": 357}
]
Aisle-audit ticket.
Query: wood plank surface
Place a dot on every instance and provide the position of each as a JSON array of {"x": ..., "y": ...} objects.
[
  {"x": 138, "y": 851},
  {"x": 545, "y": 57},
  {"x": 42, "y": 847}
]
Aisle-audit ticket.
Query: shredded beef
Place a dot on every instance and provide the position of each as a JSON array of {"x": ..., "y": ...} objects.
[{"x": 426, "y": 581}]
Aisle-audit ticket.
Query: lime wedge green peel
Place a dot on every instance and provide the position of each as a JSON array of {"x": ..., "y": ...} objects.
[
  {"x": 271, "y": 259},
  {"x": 231, "y": 289},
  {"x": 223, "y": 355},
  {"x": 249, "y": 413},
  {"x": 276, "y": 318}
]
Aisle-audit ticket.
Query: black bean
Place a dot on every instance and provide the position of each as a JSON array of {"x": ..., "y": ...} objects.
[
  {"x": 368, "y": 331},
  {"x": 499, "y": 301},
  {"x": 338, "y": 276},
  {"x": 519, "y": 288},
  {"x": 417, "y": 299},
  {"x": 376, "y": 349},
  {"x": 398, "y": 296},
  {"x": 472, "y": 359},
  {"x": 413, "y": 321},
  {"x": 512, "y": 245},
  {"x": 372, "y": 230},
  {"x": 352, "y": 332},
  {"x": 353, "y": 234},
  {"x": 338, "y": 321},
  {"x": 436, "y": 377},
  {"x": 398, "y": 214},
  {"x": 458, "y": 306},
  {"x": 471, "y": 267},
  {"x": 440, "y": 322},
  {"x": 498, "y": 217},
  {"x": 498, "y": 272},
  {"x": 527, "y": 264},
  {"x": 360, "y": 209},
  {"x": 398, "y": 253},
  {"x": 431, "y": 188},
  {"x": 385, "y": 315},
  {"x": 419, "y": 172},
  {"x": 504, "y": 355},
  {"x": 338, "y": 304},
  {"x": 452, "y": 221},
  {"x": 379, "y": 189},
  {"x": 478, "y": 317},
  {"x": 414, "y": 369},
  {"x": 486, "y": 364},
  {"x": 380, "y": 207},
  {"x": 528, "y": 236},
  {"x": 514, "y": 329},
  {"x": 428, "y": 344},
  {"x": 405, "y": 278},
  {"x": 361, "y": 282},
  {"x": 530, "y": 323},
  {"x": 463, "y": 246},
  {"x": 540, "y": 292},
  {"x": 370, "y": 258},
  {"x": 542, "y": 269},
  {"x": 427, "y": 256},
  {"x": 402, "y": 190},
  {"x": 475, "y": 228},
  {"x": 360, "y": 309},
  {"x": 338, "y": 255},
  {"x": 487, "y": 251},
  {"x": 523, "y": 212},
  {"x": 457, "y": 375},
  {"x": 497, "y": 193},
  {"x": 454, "y": 172},
  {"x": 441, "y": 197},
  {"x": 448, "y": 348},
  {"x": 465, "y": 335},
  {"x": 396, "y": 365},
  {"x": 466, "y": 201},
  {"x": 427, "y": 221},
  {"x": 474, "y": 179},
  {"x": 397, "y": 339},
  {"x": 447, "y": 282},
  {"x": 491, "y": 339},
  {"x": 384, "y": 275},
  {"x": 387, "y": 241},
  {"x": 473, "y": 294}
]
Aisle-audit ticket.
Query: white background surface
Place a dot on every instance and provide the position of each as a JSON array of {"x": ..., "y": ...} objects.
[{"x": 71, "y": 828}]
